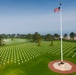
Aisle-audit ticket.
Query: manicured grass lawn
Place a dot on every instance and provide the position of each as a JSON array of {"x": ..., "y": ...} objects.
[
  {"x": 29, "y": 59},
  {"x": 36, "y": 66}
]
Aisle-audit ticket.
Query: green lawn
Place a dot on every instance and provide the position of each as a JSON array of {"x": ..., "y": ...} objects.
[{"x": 29, "y": 59}]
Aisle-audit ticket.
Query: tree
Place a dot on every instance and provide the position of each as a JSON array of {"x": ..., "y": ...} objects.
[
  {"x": 1, "y": 40},
  {"x": 22, "y": 36},
  {"x": 65, "y": 36},
  {"x": 72, "y": 35},
  {"x": 56, "y": 36},
  {"x": 3, "y": 35},
  {"x": 29, "y": 37},
  {"x": 49, "y": 37},
  {"x": 18, "y": 35},
  {"x": 12, "y": 36},
  {"x": 37, "y": 38}
]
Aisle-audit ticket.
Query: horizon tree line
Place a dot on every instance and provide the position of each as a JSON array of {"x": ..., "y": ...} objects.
[{"x": 36, "y": 37}]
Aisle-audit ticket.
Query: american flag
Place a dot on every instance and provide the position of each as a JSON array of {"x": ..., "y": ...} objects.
[{"x": 57, "y": 9}]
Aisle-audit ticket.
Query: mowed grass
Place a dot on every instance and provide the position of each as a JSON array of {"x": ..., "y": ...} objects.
[
  {"x": 14, "y": 41},
  {"x": 29, "y": 59}
]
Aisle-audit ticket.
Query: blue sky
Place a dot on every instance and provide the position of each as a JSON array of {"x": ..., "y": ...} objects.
[{"x": 29, "y": 16}]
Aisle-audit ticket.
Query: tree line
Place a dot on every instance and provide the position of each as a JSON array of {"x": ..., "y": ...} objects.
[{"x": 36, "y": 37}]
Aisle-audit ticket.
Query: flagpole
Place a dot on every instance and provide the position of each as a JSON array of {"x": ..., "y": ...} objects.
[{"x": 61, "y": 31}]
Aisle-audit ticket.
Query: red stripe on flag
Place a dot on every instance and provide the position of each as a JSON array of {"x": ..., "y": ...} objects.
[{"x": 57, "y": 9}]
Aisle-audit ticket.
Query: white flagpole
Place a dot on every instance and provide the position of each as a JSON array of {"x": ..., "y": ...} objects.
[{"x": 61, "y": 31}]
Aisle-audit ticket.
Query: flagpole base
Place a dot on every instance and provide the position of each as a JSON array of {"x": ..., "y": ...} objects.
[
  {"x": 64, "y": 67},
  {"x": 61, "y": 62}
]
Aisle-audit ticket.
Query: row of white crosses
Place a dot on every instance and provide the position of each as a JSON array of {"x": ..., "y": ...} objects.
[
  {"x": 13, "y": 54},
  {"x": 21, "y": 53},
  {"x": 68, "y": 51}
]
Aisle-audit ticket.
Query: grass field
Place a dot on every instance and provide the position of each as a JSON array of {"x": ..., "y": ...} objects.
[{"x": 20, "y": 57}]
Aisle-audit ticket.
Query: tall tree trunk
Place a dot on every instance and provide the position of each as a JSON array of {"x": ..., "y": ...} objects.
[
  {"x": 39, "y": 43},
  {"x": 0, "y": 42},
  {"x": 52, "y": 43}
]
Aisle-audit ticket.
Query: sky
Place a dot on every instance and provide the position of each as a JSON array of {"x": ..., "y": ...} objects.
[{"x": 30, "y": 16}]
